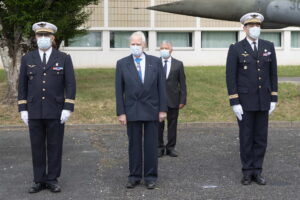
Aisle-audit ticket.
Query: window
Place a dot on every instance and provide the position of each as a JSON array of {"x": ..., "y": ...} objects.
[
  {"x": 295, "y": 43},
  {"x": 90, "y": 39},
  {"x": 120, "y": 39},
  {"x": 274, "y": 37},
  {"x": 218, "y": 39},
  {"x": 178, "y": 39}
]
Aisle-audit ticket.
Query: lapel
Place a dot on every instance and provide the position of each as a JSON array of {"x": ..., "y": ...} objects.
[
  {"x": 132, "y": 69},
  {"x": 172, "y": 67},
  {"x": 37, "y": 58},
  {"x": 260, "y": 48},
  {"x": 52, "y": 59},
  {"x": 148, "y": 71},
  {"x": 248, "y": 48}
]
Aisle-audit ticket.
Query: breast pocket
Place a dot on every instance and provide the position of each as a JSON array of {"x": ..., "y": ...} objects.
[
  {"x": 58, "y": 73},
  {"x": 31, "y": 74},
  {"x": 267, "y": 58},
  {"x": 244, "y": 59},
  {"x": 244, "y": 63}
]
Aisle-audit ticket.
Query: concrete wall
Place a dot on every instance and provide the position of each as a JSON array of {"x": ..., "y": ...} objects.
[{"x": 195, "y": 56}]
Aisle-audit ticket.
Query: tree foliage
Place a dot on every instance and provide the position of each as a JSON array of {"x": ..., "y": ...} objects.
[
  {"x": 17, "y": 37},
  {"x": 17, "y": 16}
]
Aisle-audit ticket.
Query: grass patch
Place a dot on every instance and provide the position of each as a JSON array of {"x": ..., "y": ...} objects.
[{"x": 207, "y": 97}]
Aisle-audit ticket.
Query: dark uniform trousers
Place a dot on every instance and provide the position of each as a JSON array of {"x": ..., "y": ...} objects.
[
  {"x": 44, "y": 91},
  {"x": 253, "y": 140},
  {"x": 135, "y": 130},
  {"x": 252, "y": 82},
  {"x": 172, "y": 117},
  {"x": 51, "y": 131}
]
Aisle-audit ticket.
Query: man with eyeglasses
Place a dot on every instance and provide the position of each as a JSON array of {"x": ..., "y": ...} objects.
[{"x": 46, "y": 97}]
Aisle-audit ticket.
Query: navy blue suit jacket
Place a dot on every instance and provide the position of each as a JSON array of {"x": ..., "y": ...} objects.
[
  {"x": 140, "y": 101},
  {"x": 252, "y": 79}
]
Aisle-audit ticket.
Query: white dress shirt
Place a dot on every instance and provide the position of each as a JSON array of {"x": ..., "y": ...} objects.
[
  {"x": 142, "y": 64},
  {"x": 48, "y": 53},
  {"x": 168, "y": 65},
  {"x": 251, "y": 43}
]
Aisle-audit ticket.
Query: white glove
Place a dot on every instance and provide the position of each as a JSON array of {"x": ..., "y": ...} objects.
[
  {"x": 238, "y": 111},
  {"x": 24, "y": 116},
  {"x": 272, "y": 107},
  {"x": 65, "y": 115}
]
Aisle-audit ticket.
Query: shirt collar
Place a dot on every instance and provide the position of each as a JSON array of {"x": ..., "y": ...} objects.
[
  {"x": 142, "y": 57},
  {"x": 251, "y": 42},
  {"x": 48, "y": 52},
  {"x": 169, "y": 59}
]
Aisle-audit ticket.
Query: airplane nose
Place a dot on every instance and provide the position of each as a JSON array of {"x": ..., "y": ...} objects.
[{"x": 216, "y": 9}]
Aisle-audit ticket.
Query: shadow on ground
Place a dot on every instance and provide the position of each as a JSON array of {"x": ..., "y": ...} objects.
[{"x": 95, "y": 166}]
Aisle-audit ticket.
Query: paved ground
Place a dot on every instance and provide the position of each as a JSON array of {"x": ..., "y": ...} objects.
[
  {"x": 95, "y": 166},
  {"x": 295, "y": 80}
]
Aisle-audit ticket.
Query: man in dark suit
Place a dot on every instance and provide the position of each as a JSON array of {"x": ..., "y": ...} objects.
[
  {"x": 176, "y": 98},
  {"x": 251, "y": 74},
  {"x": 141, "y": 104},
  {"x": 46, "y": 97}
]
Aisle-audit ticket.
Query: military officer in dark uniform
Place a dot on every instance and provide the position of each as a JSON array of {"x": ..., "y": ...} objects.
[
  {"x": 46, "y": 97},
  {"x": 251, "y": 74}
]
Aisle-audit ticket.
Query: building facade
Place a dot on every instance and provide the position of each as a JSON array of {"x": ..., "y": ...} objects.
[{"x": 197, "y": 41}]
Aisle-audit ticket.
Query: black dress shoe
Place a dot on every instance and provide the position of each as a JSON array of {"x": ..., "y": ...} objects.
[
  {"x": 160, "y": 152},
  {"x": 259, "y": 179},
  {"x": 36, "y": 187},
  {"x": 172, "y": 153},
  {"x": 150, "y": 185},
  {"x": 246, "y": 180},
  {"x": 53, "y": 187},
  {"x": 132, "y": 184}
]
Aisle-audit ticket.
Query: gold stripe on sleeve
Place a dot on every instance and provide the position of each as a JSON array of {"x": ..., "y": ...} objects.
[
  {"x": 70, "y": 101},
  {"x": 22, "y": 102},
  {"x": 234, "y": 96}
]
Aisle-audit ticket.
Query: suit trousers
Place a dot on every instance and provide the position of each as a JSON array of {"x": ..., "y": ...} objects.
[
  {"x": 135, "y": 130},
  {"x": 172, "y": 117},
  {"x": 46, "y": 137},
  {"x": 253, "y": 140}
]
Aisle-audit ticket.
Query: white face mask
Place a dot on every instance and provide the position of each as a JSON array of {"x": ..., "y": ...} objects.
[
  {"x": 254, "y": 32},
  {"x": 165, "y": 53},
  {"x": 136, "y": 50},
  {"x": 44, "y": 43}
]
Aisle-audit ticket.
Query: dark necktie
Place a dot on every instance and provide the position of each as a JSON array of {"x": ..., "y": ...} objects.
[
  {"x": 44, "y": 59},
  {"x": 166, "y": 66},
  {"x": 139, "y": 69},
  {"x": 255, "y": 49}
]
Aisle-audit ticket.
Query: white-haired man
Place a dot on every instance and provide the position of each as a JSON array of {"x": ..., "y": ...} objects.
[{"x": 141, "y": 104}]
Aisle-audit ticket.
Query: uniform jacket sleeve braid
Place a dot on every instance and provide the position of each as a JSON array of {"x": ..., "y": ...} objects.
[
  {"x": 273, "y": 75},
  {"x": 22, "y": 86},
  {"x": 231, "y": 75},
  {"x": 70, "y": 84}
]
